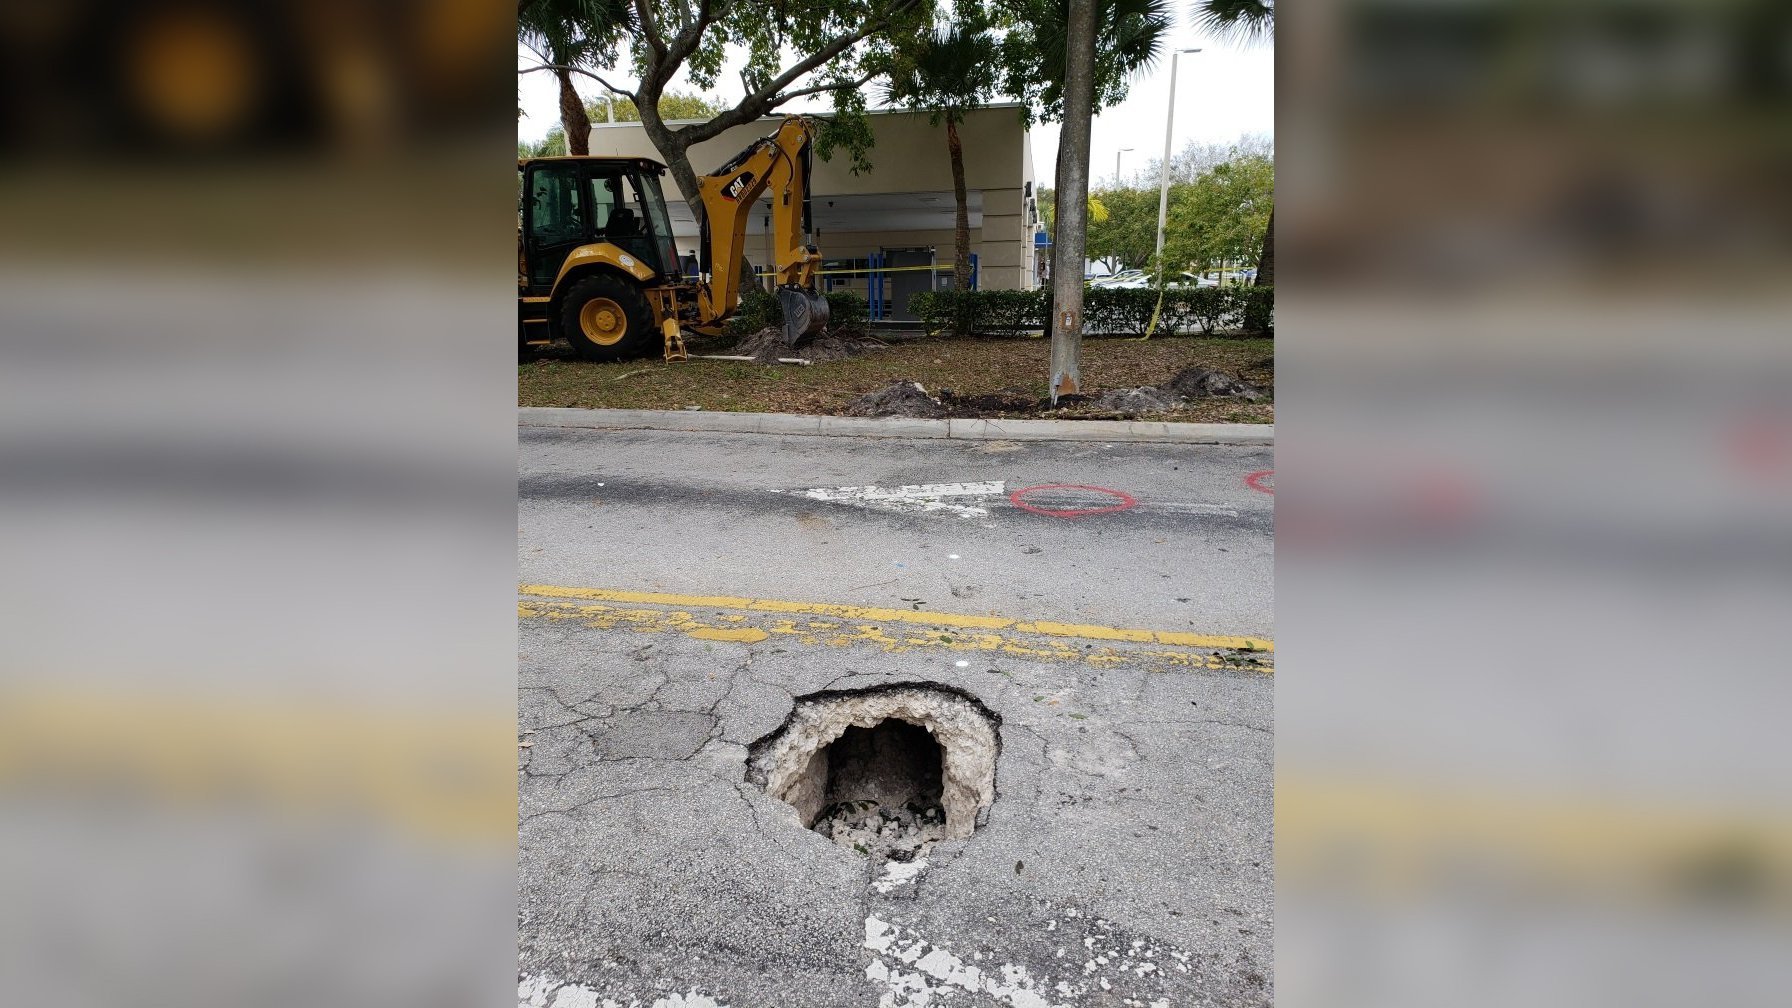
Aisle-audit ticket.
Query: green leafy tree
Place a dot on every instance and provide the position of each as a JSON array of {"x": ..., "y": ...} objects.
[
  {"x": 1246, "y": 22},
  {"x": 552, "y": 145},
  {"x": 794, "y": 49},
  {"x": 950, "y": 73},
  {"x": 1128, "y": 232},
  {"x": 1048, "y": 209},
  {"x": 674, "y": 105},
  {"x": 567, "y": 35},
  {"x": 1223, "y": 216}
]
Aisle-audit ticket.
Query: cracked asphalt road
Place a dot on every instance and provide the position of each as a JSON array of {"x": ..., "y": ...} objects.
[{"x": 1127, "y": 857}]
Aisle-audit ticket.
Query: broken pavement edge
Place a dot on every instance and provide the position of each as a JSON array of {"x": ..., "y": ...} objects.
[{"x": 965, "y": 429}]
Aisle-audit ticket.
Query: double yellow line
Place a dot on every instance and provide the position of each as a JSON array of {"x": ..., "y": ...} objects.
[{"x": 730, "y": 617}]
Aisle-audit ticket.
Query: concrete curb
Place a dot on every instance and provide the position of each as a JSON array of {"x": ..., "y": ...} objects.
[{"x": 895, "y": 427}]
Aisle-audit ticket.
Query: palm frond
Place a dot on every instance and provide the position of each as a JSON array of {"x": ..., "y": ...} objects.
[
  {"x": 570, "y": 32},
  {"x": 1243, "y": 22}
]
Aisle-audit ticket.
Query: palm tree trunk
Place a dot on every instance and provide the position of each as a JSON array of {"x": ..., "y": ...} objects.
[
  {"x": 961, "y": 236},
  {"x": 573, "y": 117},
  {"x": 1266, "y": 264},
  {"x": 1072, "y": 196}
]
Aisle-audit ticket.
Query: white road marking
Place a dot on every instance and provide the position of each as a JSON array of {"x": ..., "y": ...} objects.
[
  {"x": 899, "y": 873},
  {"x": 935, "y": 969},
  {"x": 973, "y": 500},
  {"x": 920, "y": 497}
]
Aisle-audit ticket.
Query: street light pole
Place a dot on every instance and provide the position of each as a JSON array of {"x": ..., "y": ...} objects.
[
  {"x": 1163, "y": 177},
  {"x": 1113, "y": 263}
]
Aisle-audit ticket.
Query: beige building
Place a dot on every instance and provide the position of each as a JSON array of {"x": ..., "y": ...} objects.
[{"x": 889, "y": 231}]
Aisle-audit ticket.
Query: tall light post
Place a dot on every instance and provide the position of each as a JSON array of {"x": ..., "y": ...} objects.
[
  {"x": 1117, "y": 154},
  {"x": 1163, "y": 178}
]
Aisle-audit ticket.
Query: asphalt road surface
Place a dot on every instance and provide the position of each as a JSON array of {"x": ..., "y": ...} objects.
[{"x": 1110, "y": 604}]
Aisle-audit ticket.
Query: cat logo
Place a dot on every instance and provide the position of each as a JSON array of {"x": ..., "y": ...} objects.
[{"x": 733, "y": 189}]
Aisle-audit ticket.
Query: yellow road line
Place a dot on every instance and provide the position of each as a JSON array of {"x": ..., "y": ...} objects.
[
  {"x": 937, "y": 620},
  {"x": 826, "y": 632}
]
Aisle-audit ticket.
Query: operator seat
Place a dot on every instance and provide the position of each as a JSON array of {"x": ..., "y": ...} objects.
[{"x": 623, "y": 224}]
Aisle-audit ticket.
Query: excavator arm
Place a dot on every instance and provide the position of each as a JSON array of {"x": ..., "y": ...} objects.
[{"x": 779, "y": 164}]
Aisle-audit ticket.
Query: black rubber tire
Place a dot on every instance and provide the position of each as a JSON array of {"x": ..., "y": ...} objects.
[{"x": 641, "y": 338}]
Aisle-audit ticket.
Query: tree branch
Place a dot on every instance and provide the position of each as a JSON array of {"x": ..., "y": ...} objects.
[
  {"x": 613, "y": 89},
  {"x": 817, "y": 89},
  {"x": 819, "y": 57},
  {"x": 769, "y": 97},
  {"x": 685, "y": 42},
  {"x": 650, "y": 29}
]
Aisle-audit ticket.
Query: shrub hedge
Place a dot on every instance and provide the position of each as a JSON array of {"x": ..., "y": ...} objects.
[
  {"x": 1105, "y": 310},
  {"x": 968, "y": 312},
  {"x": 757, "y": 311},
  {"x": 848, "y": 310}
]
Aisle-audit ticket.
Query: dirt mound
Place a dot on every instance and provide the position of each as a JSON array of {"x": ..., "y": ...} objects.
[
  {"x": 1189, "y": 383},
  {"x": 764, "y": 346},
  {"x": 1200, "y": 383},
  {"x": 1134, "y": 401},
  {"x": 833, "y": 346},
  {"x": 899, "y": 399},
  {"x": 767, "y": 345}
]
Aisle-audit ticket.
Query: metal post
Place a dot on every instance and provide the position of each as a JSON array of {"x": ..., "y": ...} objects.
[
  {"x": 1163, "y": 168},
  {"x": 973, "y": 271},
  {"x": 875, "y": 286}
]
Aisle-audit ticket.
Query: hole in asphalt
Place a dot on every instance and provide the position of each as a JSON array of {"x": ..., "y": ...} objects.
[
  {"x": 886, "y": 771},
  {"x": 883, "y": 790}
]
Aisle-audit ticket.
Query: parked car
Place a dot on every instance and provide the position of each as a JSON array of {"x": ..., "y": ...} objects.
[
  {"x": 1124, "y": 278},
  {"x": 1184, "y": 280}
]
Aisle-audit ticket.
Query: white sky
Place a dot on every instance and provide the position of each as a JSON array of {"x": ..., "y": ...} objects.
[{"x": 1222, "y": 92}]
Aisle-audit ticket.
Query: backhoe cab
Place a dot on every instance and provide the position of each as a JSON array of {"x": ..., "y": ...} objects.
[{"x": 597, "y": 264}]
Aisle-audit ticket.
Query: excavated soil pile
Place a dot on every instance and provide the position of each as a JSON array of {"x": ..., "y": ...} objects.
[
  {"x": 767, "y": 345},
  {"x": 833, "y": 346},
  {"x": 1200, "y": 383},
  {"x": 898, "y": 399},
  {"x": 1134, "y": 401},
  {"x": 1189, "y": 383},
  {"x": 764, "y": 346}
]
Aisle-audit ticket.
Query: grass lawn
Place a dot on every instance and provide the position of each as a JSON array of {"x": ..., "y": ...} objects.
[{"x": 968, "y": 367}]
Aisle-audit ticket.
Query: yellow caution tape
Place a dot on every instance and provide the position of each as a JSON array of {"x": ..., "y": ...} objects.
[{"x": 884, "y": 269}]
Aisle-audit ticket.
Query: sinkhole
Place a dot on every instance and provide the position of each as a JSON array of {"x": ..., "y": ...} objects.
[{"x": 886, "y": 771}]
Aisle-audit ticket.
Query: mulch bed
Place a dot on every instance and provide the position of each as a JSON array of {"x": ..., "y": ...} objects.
[{"x": 993, "y": 378}]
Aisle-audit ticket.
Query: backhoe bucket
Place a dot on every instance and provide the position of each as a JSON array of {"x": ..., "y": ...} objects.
[{"x": 804, "y": 313}]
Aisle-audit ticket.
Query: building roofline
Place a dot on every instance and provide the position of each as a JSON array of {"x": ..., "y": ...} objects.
[{"x": 774, "y": 116}]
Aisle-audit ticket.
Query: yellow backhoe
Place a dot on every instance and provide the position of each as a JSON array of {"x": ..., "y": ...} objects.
[{"x": 597, "y": 266}]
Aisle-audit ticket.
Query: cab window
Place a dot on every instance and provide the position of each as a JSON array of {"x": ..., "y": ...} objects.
[{"x": 556, "y": 206}]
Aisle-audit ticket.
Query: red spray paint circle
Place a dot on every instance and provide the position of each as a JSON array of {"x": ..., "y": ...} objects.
[
  {"x": 1124, "y": 500},
  {"x": 1257, "y": 479}
]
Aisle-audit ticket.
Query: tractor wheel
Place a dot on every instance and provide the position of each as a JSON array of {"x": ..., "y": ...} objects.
[{"x": 607, "y": 318}]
